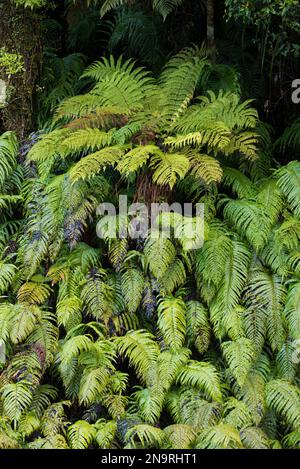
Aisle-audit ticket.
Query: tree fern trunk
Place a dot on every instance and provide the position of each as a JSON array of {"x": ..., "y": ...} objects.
[
  {"x": 148, "y": 192},
  {"x": 211, "y": 28},
  {"x": 20, "y": 33}
]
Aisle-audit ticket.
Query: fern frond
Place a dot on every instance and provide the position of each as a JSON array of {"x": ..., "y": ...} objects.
[
  {"x": 81, "y": 434},
  {"x": 239, "y": 355},
  {"x": 172, "y": 321},
  {"x": 289, "y": 183},
  {"x": 203, "y": 376},
  {"x": 141, "y": 350},
  {"x": 283, "y": 398},
  {"x": 222, "y": 436}
]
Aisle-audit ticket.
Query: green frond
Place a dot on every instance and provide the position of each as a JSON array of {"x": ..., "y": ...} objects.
[
  {"x": 178, "y": 81},
  {"x": 42, "y": 398},
  {"x": 92, "y": 164},
  {"x": 74, "y": 346},
  {"x": 289, "y": 183},
  {"x": 239, "y": 183},
  {"x": 141, "y": 350},
  {"x": 172, "y": 321},
  {"x": 8, "y": 153},
  {"x": 292, "y": 310},
  {"x": 239, "y": 355},
  {"x": 28, "y": 424},
  {"x": 174, "y": 277},
  {"x": 85, "y": 140},
  {"x": 268, "y": 293},
  {"x": 222, "y": 436},
  {"x": 34, "y": 292},
  {"x": 133, "y": 284},
  {"x": 197, "y": 326},
  {"x": 136, "y": 158},
  {"x": 168, "y": 168},
  {"x": 46, "y": 150},
  {"x": 145, "y": 436},
  {"x": 180, "y": 436},
  {"x": 250, "y": 220},
  {"x": 290, "y": 137},
  {"x": 92, "y": 385},
  {"x": 7, "y": 274},
  {"x": 286, "y": 365},
  {"x": 17, "y": 397},
  {"x": 235, "y": 272},
  {"x": 81, "y": 434},
  {"x": 254, "y": 438},
  {"x": 206, "y": 168},
  {"x": 255, "y": 324},
  {"x": 270, "y": 198},
  {"x": 97, "y": 296},
  {"x": 150, "y": 404},
  {"x": 159, "y": 253},
  {"x": 188, "y": 407},
  {"x": 165, "y": 7},
  {"x": 106, "y": 433},
  {"x": 203, "y": 376},
  {"x": 18, "y": 321},
  {"x": 283, "y": 398},
  {"x": 292, "y": 440},
  {"x": 169, "y": 365}
]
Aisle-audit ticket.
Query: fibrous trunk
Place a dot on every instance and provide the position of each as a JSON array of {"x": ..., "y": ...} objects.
[{"x": 20, "y": 36}]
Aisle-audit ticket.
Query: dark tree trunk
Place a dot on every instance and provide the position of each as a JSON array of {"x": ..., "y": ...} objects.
[
  {"x": 20, "y": 33},
  {"x": 211, "y": 29}
]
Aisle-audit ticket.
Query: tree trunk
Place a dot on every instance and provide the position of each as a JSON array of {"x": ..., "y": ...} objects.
[
  {"x": 20, "y": 34},
  {"x": 211, "y": 29}
]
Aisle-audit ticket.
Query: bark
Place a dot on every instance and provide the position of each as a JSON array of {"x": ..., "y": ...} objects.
[
  {"x": 211, "y": 29},
  {"x": 20, "y": 33}
]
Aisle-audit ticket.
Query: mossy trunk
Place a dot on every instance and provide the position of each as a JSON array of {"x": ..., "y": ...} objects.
[{"x": 21, "y": 35}]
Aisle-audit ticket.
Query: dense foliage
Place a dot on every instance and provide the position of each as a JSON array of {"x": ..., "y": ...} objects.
[{"x": 148, "y": 343}]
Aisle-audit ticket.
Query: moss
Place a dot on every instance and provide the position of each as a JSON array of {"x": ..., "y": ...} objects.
[{"x": 11, "y": 63}]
